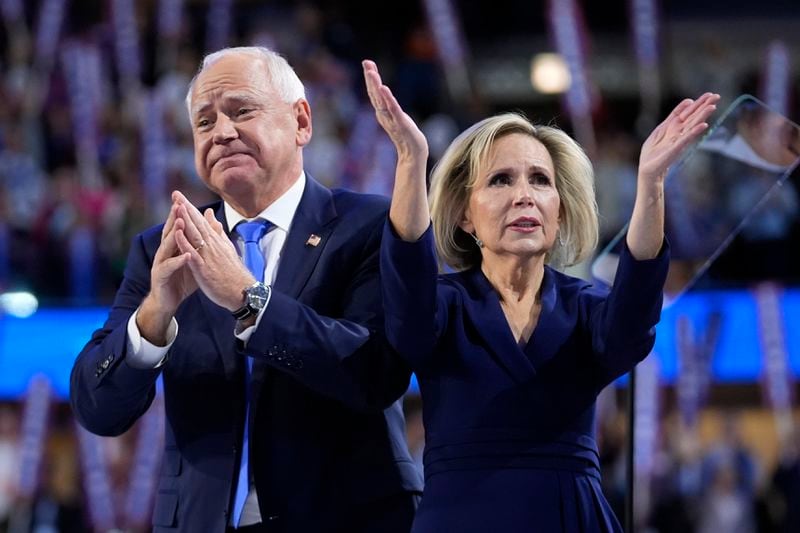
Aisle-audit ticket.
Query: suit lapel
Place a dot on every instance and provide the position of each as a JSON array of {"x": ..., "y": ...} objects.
[
  {"x": 484, "y": 311},
  {"x": 307, "y": 238},
  {"x": 304, "y": 244}
]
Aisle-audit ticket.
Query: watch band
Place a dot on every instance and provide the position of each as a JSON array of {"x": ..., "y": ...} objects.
[
  {"x": 255, "y": 299},
  {"x": 243, "y": 312}
]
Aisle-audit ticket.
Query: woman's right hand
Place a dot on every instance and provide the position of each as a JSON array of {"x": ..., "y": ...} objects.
[
  {"x": 409, "y": 213},
  {"x": 409, "y": 141}
]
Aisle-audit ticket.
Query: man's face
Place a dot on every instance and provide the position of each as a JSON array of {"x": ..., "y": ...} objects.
[{"x": 247, "y": 140}]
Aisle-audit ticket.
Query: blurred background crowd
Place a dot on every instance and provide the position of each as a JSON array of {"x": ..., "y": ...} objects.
[{"x": 94, "y": 134}]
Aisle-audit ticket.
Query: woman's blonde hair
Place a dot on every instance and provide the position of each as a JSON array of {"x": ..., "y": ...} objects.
[{"x": 454, "y": 176}]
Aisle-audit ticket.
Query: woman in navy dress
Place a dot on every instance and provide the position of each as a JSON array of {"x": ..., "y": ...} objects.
[{"x": 510, "y": 353}]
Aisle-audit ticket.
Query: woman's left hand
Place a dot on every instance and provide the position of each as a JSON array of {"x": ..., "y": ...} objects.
[{"x": 678, "y": 131}]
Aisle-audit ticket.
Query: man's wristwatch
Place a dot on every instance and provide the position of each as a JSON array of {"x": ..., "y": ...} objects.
[{"x": 255, "y": 298}]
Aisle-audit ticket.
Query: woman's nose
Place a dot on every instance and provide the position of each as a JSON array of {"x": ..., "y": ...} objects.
[{"x": 523, "y": 194}]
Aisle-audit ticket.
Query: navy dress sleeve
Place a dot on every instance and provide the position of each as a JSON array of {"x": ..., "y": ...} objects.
[
  {"x": 415, "y": 313},
  {"x": 622, "y": 325}
]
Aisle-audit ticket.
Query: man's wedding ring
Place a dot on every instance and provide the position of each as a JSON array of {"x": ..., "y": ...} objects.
[{"x": 200, "y": 246}]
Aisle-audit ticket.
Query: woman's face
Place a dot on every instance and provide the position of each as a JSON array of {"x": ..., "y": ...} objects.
[{"x": 514, "y": 204}]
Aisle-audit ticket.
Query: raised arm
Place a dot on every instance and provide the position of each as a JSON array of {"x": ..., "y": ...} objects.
[
  {"x": 663, "y": 147},
  {"x": 414, "y": 314},
  {"x": 409, "y": 213}
]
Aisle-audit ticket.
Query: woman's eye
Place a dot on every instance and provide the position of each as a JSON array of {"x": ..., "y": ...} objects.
[
  {"x": 540, "y": 179},
  {"x": 499, "y": 179},
  {"x": 203, "y": 123},
  {"x": 243, "y": 111}
]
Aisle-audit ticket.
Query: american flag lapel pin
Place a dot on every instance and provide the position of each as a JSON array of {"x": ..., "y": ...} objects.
[{"x": 313, "y": 240}]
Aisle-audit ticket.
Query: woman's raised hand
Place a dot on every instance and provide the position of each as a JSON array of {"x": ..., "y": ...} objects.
[
  {"x": 409, "y": 213},
  {"x": 404, "y": 133},
  {"x": 669, "y": 139},
  {"x": 663, "y": 147}
]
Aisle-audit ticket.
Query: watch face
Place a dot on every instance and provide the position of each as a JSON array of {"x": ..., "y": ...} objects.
[{"x": 257, "y": 296}]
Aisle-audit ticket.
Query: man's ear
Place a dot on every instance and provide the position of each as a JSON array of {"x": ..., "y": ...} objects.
[{"x": 302, "y": 113}]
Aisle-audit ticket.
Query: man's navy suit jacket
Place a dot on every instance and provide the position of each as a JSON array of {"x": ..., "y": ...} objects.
[{"x": 327, "y": 431}]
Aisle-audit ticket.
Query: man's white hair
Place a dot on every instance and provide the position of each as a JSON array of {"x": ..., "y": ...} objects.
[{"x": 280, "y": 74}]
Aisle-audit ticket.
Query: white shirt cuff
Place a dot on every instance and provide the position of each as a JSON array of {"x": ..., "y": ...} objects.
[{"x": 142, "y": 353}]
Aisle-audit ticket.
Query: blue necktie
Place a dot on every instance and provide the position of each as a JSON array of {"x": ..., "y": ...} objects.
[{"x": 251, "y": 232}]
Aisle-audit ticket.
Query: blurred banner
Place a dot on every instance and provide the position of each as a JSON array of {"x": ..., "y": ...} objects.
[
  {"x": 97, "y": 484},
  {"x": 647, "y": 431},
  {"x": 777, "y": 379},
  {"x": 218, "y": 24},
  {"x": 35, "y": 418},
  {"x": 695, "y": 355},
  {"x": 731, "y": 181},
  {"x": 645, "y": 25},
  {"x": 776, "y": 82},
  {"x": 451, "y": 45},
  {"x": 568, "y": 31},
  {"x": 143, "y": 476}
]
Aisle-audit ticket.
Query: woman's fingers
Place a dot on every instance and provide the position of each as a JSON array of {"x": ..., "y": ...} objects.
[{"x": 373, "y": 81}]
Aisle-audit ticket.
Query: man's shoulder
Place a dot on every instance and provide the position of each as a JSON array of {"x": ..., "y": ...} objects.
[
  {"x": 152, "y": 234},
  {"x": 361, "y": 205}
]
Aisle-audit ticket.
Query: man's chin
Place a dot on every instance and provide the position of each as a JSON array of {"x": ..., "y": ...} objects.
[{"x": 234, "y": 181}]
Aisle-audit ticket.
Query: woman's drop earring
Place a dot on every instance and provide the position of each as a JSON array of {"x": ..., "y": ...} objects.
[{"x": 477, "y": 240}]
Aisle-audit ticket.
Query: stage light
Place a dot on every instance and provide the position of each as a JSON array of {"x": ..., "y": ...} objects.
[
  {"x": 549, "y": 73},
  {"x": 18, "y": 304}
]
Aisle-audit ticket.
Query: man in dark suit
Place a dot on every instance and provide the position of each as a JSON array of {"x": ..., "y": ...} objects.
[{"x": 281, "y": 399}]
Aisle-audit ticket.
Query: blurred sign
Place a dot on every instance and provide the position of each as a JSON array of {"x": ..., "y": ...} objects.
[{"x": 45, "y": 342}]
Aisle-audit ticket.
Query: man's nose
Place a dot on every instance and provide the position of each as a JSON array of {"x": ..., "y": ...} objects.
[{"x": 224, "y": 130}]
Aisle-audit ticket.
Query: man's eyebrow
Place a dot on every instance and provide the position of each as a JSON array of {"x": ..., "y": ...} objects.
[
  {"x": 200, "y": 108},
  {"x": 246, "y": 97},
  {"x": 235, "y": 97}
]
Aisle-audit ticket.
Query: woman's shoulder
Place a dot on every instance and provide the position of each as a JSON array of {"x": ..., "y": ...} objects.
[
  {"x": 455, "y": 282},
  {"x": 569, "y": 287},
  {"x": 464, "y": 286}
]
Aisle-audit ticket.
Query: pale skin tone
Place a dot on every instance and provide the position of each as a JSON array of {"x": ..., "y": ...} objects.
[
  {"x": 248, "y": 149},
  {"x": 514, "y": 209},
  {"x": 516, "y": 214}
]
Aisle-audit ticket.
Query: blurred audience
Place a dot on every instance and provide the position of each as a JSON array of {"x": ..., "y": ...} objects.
[
  {"x": 66, "y": 217},
  {"x": 64, "y": 235}
]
